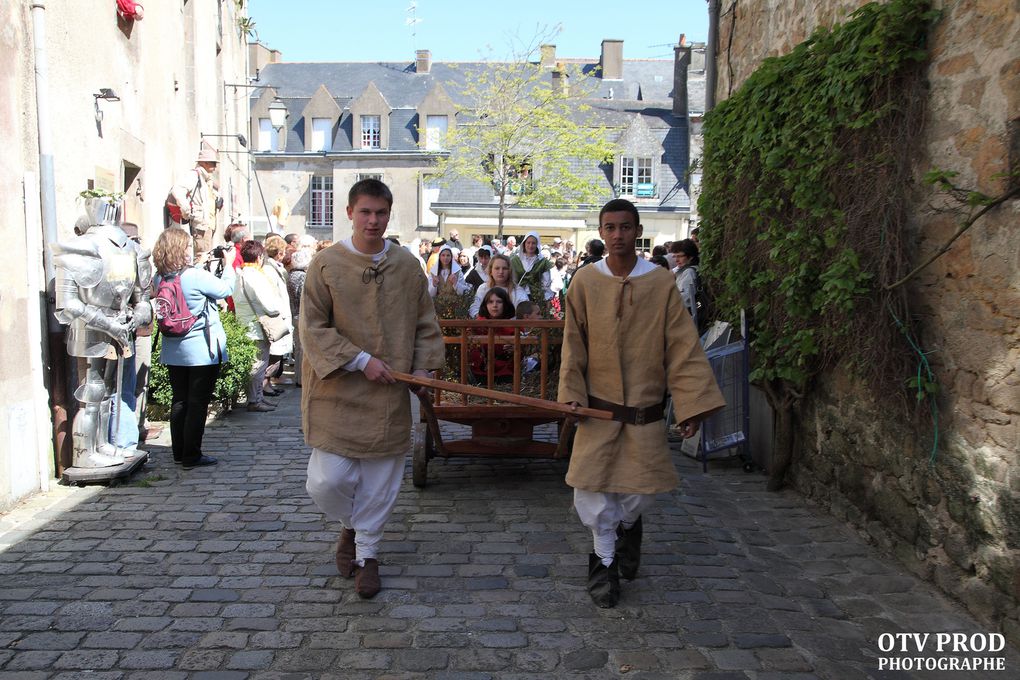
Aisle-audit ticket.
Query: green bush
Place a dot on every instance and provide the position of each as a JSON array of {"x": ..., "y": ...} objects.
[{"x": 233, "y": 378}]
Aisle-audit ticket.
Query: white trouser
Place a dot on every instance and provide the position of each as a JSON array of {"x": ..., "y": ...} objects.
[
  {"x": 603, "y": 512},
  {"x": 358, "y": 492}
]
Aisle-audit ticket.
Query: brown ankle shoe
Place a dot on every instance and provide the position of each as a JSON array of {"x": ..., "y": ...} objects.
[
  {"x": 345, "y": 553},
  {"x": 366, "y": 579}
]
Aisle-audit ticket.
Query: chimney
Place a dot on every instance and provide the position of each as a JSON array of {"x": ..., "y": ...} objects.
[
  {"x": 560, "y": 81},
  {"x": 548, "y": 56},
  {"x": 422, "y": 61},
  {"x": 681, "y": 61},
  {"x": 612, "y": 60}
]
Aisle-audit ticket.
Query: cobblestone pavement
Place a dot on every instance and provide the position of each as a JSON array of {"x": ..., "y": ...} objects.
[{"x": 227, "y": 572}]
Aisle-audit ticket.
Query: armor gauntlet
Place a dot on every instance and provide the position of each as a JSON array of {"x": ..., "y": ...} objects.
[{"x": 141, "y": 315}]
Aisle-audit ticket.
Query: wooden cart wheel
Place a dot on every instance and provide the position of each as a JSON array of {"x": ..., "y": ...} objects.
[{"x": 419, "y": 458}]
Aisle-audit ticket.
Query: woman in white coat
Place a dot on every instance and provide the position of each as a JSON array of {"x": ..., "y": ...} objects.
[
  {"x": 255, "y": 295},
  {"x": 276, "y": 250}
]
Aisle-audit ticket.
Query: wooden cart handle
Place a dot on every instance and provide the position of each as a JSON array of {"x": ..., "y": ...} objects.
[{"x": 471, "y": 390}]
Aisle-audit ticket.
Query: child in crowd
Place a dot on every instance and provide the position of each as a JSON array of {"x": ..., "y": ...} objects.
[
  {"x": 499, "y": 277},
  {"x": 528, "y": 310},
  {"x": 495, "y": 304}
]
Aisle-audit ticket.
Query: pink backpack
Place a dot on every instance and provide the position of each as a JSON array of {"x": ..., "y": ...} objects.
[{"x": 173, "y": 318}]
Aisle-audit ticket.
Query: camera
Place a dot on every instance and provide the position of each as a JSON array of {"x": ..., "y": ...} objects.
[{"x": 215, "y": 263}]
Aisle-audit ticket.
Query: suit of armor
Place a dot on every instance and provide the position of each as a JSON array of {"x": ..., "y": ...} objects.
[{"x": 102, "y": 294}]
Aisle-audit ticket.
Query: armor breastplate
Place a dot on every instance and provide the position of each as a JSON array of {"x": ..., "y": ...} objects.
[{"x": 102, "y": 266}]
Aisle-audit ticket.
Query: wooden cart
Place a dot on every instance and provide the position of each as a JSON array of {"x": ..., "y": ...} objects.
[{"x": 498, "y": 430}]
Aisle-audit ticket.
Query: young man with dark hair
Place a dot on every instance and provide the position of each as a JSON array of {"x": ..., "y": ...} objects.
[
  {"x": 627, "y": 339},
  {"x": 365, "y": 312}
]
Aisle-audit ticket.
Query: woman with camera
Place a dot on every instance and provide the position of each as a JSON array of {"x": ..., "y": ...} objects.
[{"x": 193, "y": 360}]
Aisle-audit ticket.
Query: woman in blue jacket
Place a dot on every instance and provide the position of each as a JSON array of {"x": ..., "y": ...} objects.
[{"x": 192, "y": 360}]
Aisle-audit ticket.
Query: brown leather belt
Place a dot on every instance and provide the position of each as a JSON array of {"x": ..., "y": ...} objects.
[{"x": 631, "y": 415}]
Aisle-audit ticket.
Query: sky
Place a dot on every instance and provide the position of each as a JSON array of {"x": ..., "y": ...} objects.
[{"x": 462, "y": 30}]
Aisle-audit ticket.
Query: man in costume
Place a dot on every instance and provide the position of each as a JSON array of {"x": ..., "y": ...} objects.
[
  {"x": 627, "y": 339},
  {"x": 365, "y": 311},
  {"x": 194, "y": 200},
  {"x": 102, "y": 294}
]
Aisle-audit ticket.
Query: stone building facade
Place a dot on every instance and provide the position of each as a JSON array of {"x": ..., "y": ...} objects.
[
  {"x": 166, "y": 76},
  {"x": 311, "y": 162},
  {"x": 956, "y": 521}
]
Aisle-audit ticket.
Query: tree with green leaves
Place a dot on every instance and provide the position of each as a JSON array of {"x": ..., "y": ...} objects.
[{"x": 527, "y": 133}]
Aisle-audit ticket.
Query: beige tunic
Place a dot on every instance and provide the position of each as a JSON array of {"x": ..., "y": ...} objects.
[
  {"x": 345, "y": 311},
  {"x": 626, "y": 341}
]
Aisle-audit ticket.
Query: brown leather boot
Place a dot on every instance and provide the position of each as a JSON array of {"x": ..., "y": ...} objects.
[
  {"x": 345, "y": 553},
  {"x": 366, "y": 579}
]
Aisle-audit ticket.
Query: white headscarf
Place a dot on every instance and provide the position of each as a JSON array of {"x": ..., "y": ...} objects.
[
  {"x": 529, "y": 260},
  {"x": 454, "y": 267},
  {"x": 538, "y": 242}
]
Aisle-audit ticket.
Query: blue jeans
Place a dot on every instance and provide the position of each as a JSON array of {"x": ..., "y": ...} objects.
[{"x": 126, "y": 434}]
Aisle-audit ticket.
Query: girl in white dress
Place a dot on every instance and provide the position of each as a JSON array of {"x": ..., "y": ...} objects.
[{"x": 499, "y": 276}]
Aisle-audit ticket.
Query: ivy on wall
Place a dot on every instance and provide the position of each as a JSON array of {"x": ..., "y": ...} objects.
[{"x": 806, "y": 171}]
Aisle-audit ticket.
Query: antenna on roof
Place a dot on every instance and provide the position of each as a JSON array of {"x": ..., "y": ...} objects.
[{"x": 413, "y": 21}]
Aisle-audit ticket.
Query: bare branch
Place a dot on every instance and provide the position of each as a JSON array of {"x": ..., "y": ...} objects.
[{"x": 967, "y": 224}]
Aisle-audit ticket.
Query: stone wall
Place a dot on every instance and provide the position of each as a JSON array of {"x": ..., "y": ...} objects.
[{"x": 957, "y": 521}]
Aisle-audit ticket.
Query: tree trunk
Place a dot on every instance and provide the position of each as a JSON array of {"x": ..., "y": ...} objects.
[
  {"x": 782, "y": 444},
  {"x": 502, "y": 213},
  {"x": 782, "y": 399}
]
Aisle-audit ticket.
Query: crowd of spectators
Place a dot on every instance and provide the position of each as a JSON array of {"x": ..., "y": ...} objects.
[
  {"x": 534, "y": 271},
  {"x": 262, "y": 280},
  {"x": 257, "y": 281}
]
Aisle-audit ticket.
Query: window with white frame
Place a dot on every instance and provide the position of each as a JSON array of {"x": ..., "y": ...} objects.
[
  {"x": 322, "y": 134},
  {"x": 436, "y": 128},
  {"x": 320, "y": 212},
  {"x": 269, "y": 137},
  {"x": 636, "y": 177},
  {"x": 371, "y": 132}
]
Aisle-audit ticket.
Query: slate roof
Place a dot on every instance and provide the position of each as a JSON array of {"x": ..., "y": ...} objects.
[{"x": 645, "y": 91}]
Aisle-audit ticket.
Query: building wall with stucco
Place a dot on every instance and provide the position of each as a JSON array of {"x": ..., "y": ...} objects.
[
  {"x": 25, "y": 454},
  {"x": 955, "y": 521},
  {"x": 168, "y": 71}
]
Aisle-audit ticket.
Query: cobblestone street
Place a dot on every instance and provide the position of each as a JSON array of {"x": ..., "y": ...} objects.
[{"x": 227, "y": 572}]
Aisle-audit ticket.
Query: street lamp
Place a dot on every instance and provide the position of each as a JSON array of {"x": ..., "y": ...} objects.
[
  {"x": 107, "y": 94},
  {"x": 240, "y": 138},
  {"x": 277, "y": 114}
]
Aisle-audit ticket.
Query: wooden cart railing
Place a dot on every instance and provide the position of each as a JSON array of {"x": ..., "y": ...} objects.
[{"x": 497, "y": 429}]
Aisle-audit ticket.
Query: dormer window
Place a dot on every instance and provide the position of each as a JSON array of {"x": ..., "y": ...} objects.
[
  {"x": 269, "y": 137},
  {"x": 436, "y": 128},
  {"x": 636, "y": 177},
  {"x": 371, "y": 132},
  {"x": 322, "y": 134}
]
